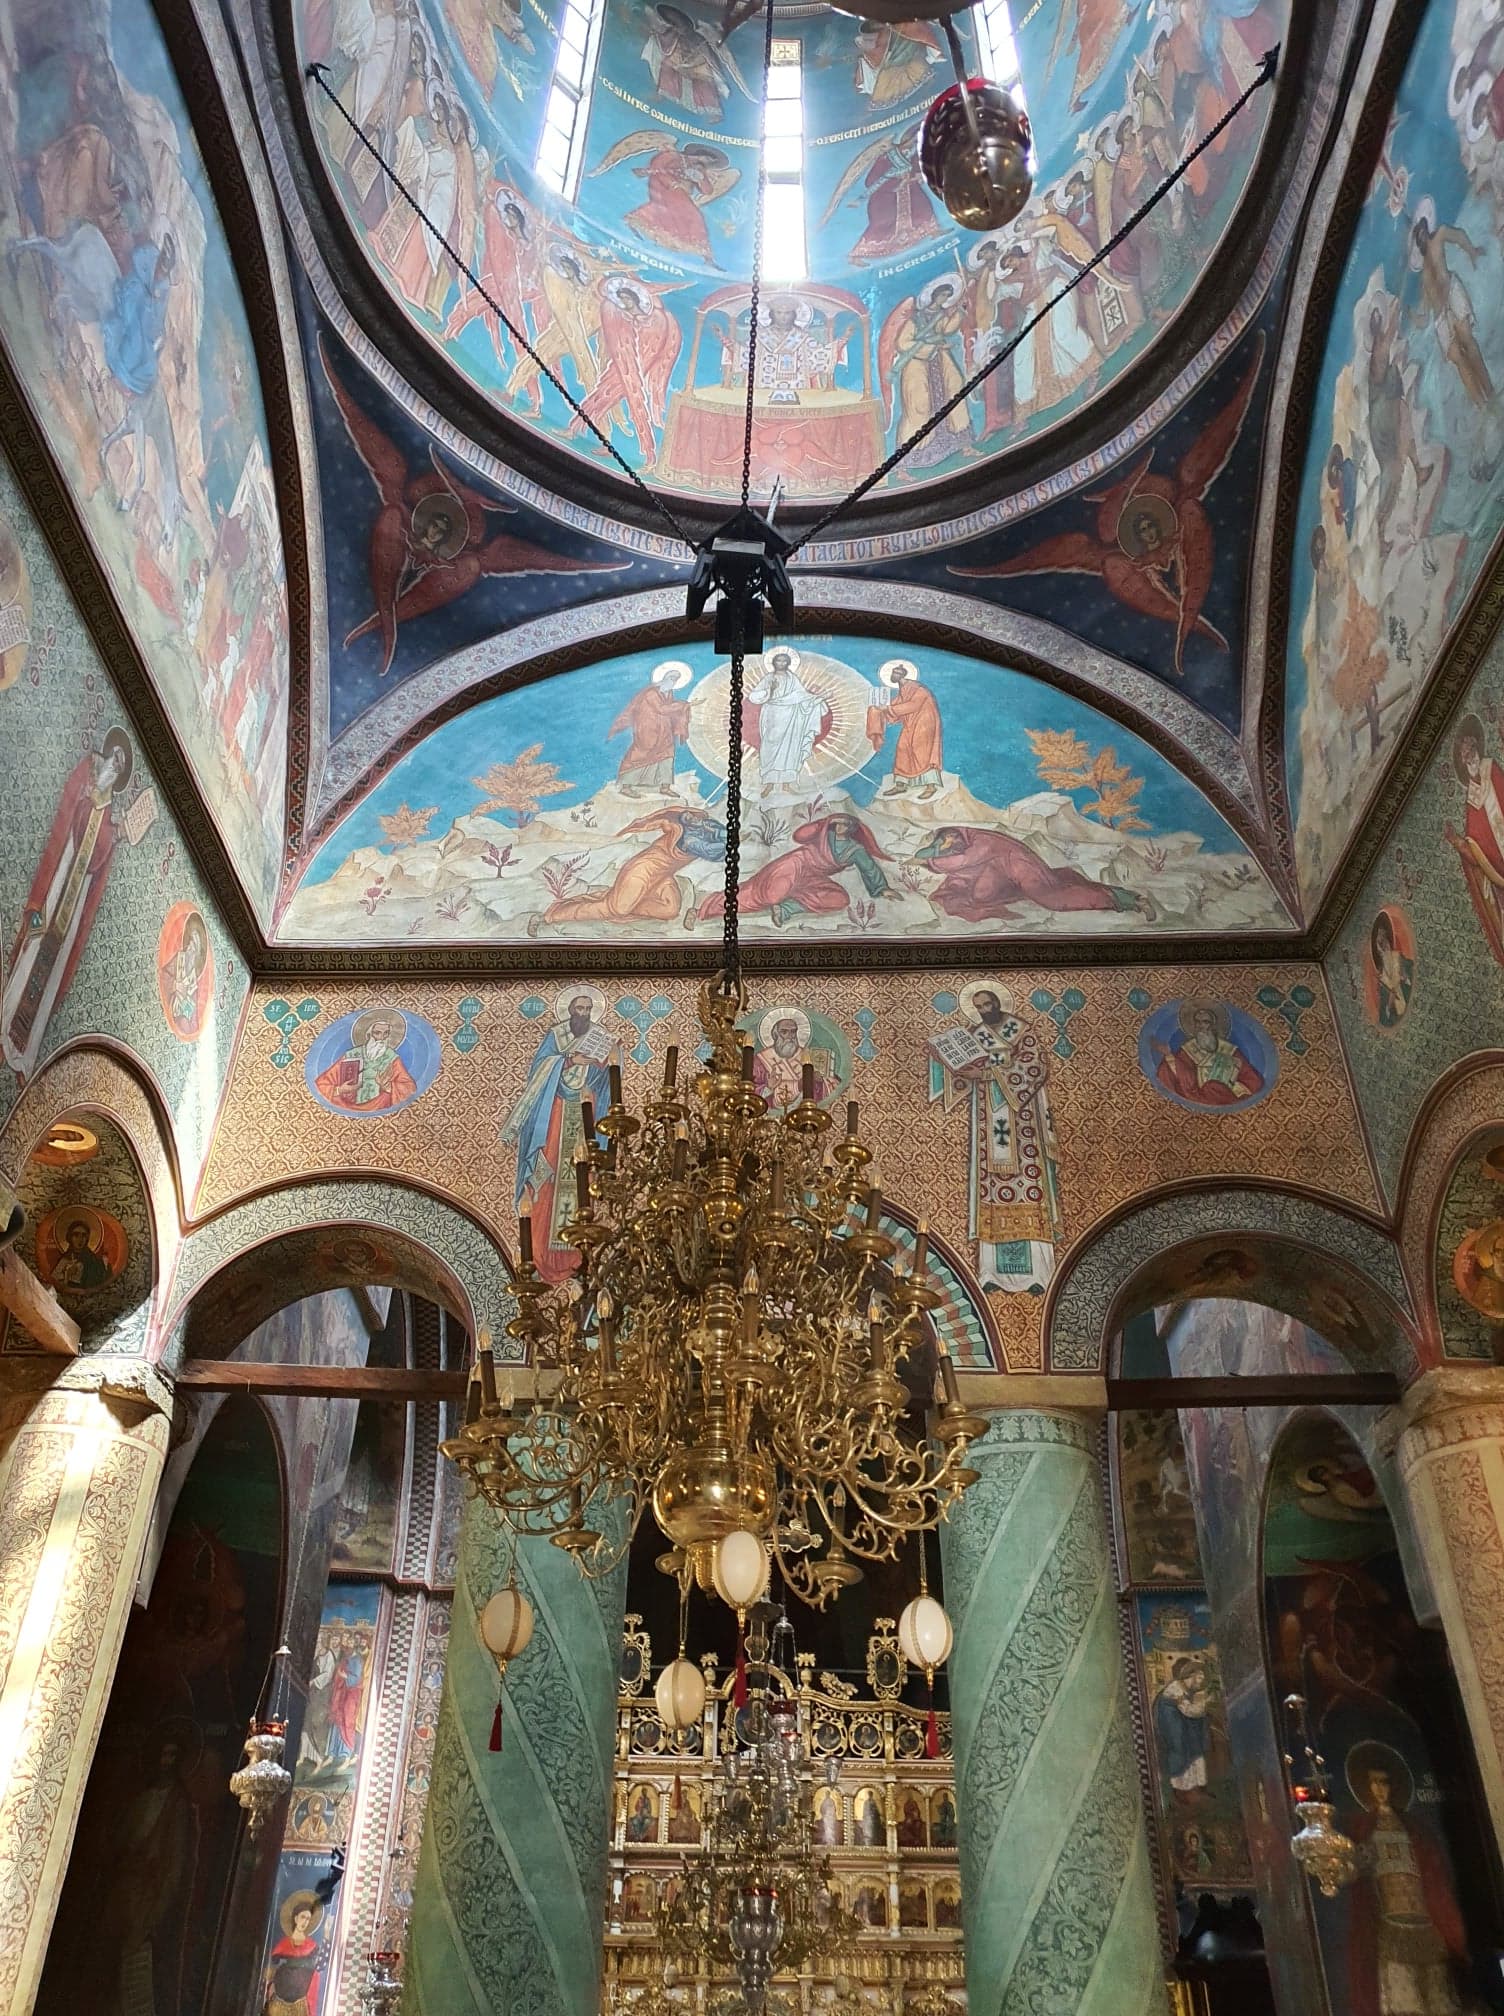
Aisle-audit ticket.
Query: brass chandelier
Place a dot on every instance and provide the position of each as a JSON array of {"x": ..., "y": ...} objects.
[{"x": 729, "y": 1348}]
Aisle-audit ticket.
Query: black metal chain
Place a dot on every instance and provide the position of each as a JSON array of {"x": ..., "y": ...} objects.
[
  {"x": 979, "y": 377},
  {"x": 731, "y": 955},
  {"x": 318, "y": 74},
  {"x": 758, "y": 227}
]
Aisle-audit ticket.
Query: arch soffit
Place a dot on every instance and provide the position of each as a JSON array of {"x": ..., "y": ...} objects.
[
  {"x": 103, "y": 1077},
  {"x": 466, "y": 1264},
  {"x": 1461, "y": 1106},
  {"x": 1091, "y": 1296}
]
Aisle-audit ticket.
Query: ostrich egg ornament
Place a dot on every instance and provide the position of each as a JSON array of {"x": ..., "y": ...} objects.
[{"x": 974, "y": 150}]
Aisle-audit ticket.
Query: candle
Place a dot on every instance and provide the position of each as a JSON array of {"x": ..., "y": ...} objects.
[
  {"x": 874, "y": 1207},
  {"x": 681, "y": 1151},
  {"x": 749, "y": 1306},
  {"x": 921, "y": 1245},
  {"x": 582, "y": 1181},
  {"x": 670, "y": 1066},
  {"x": 525, "y": 1230},
  {"x": 615, "y": 1078},
  {"x": 775, "y": 1172},
  {"x": 587, "y": 1118},
  {"x": 807, "y": 1080},
  {"x": 851, "y": 1119},
  {"x": 748, "y": 1057},
  {"x": 605, "y": 1312},
  {"x": 948, "y": 1380},
  {"x": 487, "y": 1366}
]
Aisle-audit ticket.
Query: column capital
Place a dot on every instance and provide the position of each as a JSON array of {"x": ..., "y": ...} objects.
[
  {"x": 44, "y": 1388},
  {"x": 1445, "y": 1408}
]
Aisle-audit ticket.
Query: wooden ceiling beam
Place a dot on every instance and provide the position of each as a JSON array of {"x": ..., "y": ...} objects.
[
  {"x": 395, "y": 1383},
  {"x": 36, "y": 1308},
  {"x": 1283, "y": 1389}
]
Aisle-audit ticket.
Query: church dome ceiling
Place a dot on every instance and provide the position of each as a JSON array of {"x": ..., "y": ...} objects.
[{"x": 624, "y": 247}]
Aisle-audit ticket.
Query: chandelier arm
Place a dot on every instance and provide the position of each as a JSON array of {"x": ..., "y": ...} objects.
[
  {"x": 757, "y": 238},
  {"x": 317, "y": 73},
  {"x": 979, "y": 377}
]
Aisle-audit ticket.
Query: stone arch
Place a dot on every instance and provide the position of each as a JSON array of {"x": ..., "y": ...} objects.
[
  {"x": 1462, "y": 1106},
  {"x": 1336, "y": 1271},
  {"x": 423, "y": 1243},
  {"x": 102, "y": 1078}
]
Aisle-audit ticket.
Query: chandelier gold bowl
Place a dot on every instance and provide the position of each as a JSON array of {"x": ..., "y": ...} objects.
[{"x": 729, "y": 1348}]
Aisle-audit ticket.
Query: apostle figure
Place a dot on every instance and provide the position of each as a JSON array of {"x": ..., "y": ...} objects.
[
  {"x": 1204, "y": 1065},
  {"x": 984, "y": 873},
  {"x": 646, "y": 886},
  {"x": 807, "y": 880},
  {"x": 1180, "y": 1712},
  {"x": 778, "y": 1061},
  {"x": 80, "y": 1266},
  {"x": 918, "y": 757},
  {"x": 569, "y": 1066},
  {"x": 292, "y": 1980},
  {"x": 657, "y": 724},
  {"x": 1001, "y": 1068},
  {"x": 370, "y": 1077},
  {"x": 344, "y": 1703},
  {"x": 788, "y": 721},
  {"x": 1480, "y": 845},
  {"x": 1407, "y": 1941},
  {"x": 181, "y": 975},
  {"x": 1394, "y": 973},
  {"x": 63, "y": 900}
]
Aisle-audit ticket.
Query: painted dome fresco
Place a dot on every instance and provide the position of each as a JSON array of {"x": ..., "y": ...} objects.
[{"x": 598, "y": 164}]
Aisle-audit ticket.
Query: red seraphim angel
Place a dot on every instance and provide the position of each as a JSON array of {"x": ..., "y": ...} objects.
[
  {"x": 432, "y": 540},
  {"x": 1153, "y": 546}
]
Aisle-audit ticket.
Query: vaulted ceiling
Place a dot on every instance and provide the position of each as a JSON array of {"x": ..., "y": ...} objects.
[{"x": 1129, "y": 654}]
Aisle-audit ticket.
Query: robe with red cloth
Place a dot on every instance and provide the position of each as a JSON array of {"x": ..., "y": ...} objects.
[
  {"x": 1481, "y": 852},
  {"x": 808, "y": 878},
  {"x": 340, "y": 1084},
  {"x": 1387, "y": 1934},
  {"x": 1220, "y": 1077},
  {"x": 657, "y": 724},
  {"x": 671, "y": 216},
  {"x": 984, "y": 874},
  {"x": 919, "y": 752},
  {"x": 294, "y": 1986},
  {"x": 61, "y": 905}
]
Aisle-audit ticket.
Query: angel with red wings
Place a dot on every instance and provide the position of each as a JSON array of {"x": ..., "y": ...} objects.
[
  {"x": 431, "y": 540},
  {"x": 683, "y": 176},
  {"x": 509, "y": 269},
  {"x": 640, "y": 343},
  {"x": 1153, "y": 546}
]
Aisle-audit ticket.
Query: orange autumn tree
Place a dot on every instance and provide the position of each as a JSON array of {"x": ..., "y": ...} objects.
[
  {"x": 1065, "y": 762},
  {"x": 407, "y": 824},
  {"x": 519, "y": 787}
]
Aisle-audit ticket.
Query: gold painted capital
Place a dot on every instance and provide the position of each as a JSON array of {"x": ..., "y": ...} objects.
[
  {"x": 1450, "y": 1407},
  {"x": 83, "y": 1392}
]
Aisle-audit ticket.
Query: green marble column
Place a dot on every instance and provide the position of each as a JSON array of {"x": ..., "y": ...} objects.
[
  {"x": 509, "y": 1902},
  {"x": 1055, "y": 1889}
]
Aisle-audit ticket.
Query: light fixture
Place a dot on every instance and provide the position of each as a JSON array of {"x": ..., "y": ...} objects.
[
  {"x": 381, "y": 1991},
  {"x": 263, "y": 1781},
  {"x": 506, "y": 1631},
  {"x": 1327, "y": 1855},
  {"x": 680, "y": 1693}
]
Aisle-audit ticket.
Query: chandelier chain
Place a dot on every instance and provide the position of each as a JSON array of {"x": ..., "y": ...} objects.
[
  {"x": 755, "y": 302},
  {"x": 938, "y": 418},
  {"x": 317, "y": 73},
  {"x": 731, "y": 957}
]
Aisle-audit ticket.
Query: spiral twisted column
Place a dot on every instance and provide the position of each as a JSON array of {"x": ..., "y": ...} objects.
[
  {"x": 509, "y": 1902},
  {"x": 1056, "y": 1896}
]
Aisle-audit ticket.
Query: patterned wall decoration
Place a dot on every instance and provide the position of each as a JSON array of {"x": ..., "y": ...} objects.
[
  {"x": 1109, "y": 1151},
  {"x": 88, "y": 1235},
  {"x": 125, "y": 324},
  {"x": 881, "y": 801},
  {"x": 97, "y": 970},
  {"x": 1456, "y": 923},
  {"x": 1055, "y": 1887},
  {"x": 1472, "y": 1198},
  {"x": 1398, "y": 504},
  {"x": 636, "y": 291},
  {"x": 192, "y": 1666}
]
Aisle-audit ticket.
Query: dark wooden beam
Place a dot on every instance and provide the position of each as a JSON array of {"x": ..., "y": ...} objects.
[
  {"x": 1283, "y": 1389},
  {"x": 394, "y": 1383},
  {"x": 36, "y": 1308}
]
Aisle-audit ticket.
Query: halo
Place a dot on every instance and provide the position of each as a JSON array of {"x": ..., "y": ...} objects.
[
  {"x": 360, "y": 1028},
  {"x": 558, "y": 252},
  {"x": 1191, "y": 1008},
  {"x": 1474, "y": 117},
  {"x": 987, "y": 249},
  {"x": 967, "y": 996},
  {"x": 782, "y": 651},
  {"x": 442, "y": 505},
  {"x": 1425, "y": 213},
  {"x": 118, "y": 739},
  {"x": 771, "y": 1020},
  {"x": 1471, "y": 727},
  {"x": 930, "y": 288},
  {"x": 78, "y": 1214},
  {"x": 888, "y": 673},
  {"x": 619, "y": 283},
  {"x": 1386, "y": 914},
  {"x": 682, "y": 674},
  {"x": 1371, "y": 1756},
  {"x": 1145, "y": 504},
  {"x": 299, "y": 1900},
  {"x": 567, "y": 994}
]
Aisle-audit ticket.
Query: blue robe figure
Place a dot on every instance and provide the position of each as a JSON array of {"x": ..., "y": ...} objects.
[{"x": 569, "y": 1066}]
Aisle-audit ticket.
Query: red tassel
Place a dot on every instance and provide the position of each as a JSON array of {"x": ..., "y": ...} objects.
[
  {"x": 932, "y": 1728},
  {"x": 496, "y": 1726},
  {"x": 739, "y": 1691}
]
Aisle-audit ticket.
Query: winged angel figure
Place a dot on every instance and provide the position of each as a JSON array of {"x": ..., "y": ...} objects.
[
  {"x": 686, "y": 67},
  {"x": 431, "y": 540},
  {"x": 899, "y": 211},
  {"x": 683, "y": 177},
  {"x": 1153, "y": 547}
]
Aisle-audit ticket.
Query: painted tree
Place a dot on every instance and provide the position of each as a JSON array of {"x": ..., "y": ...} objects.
[
  {"x": 406, "y": 824},
  {"x": 1066, "y": 763},
  {"x": 519, "y": 787}
]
